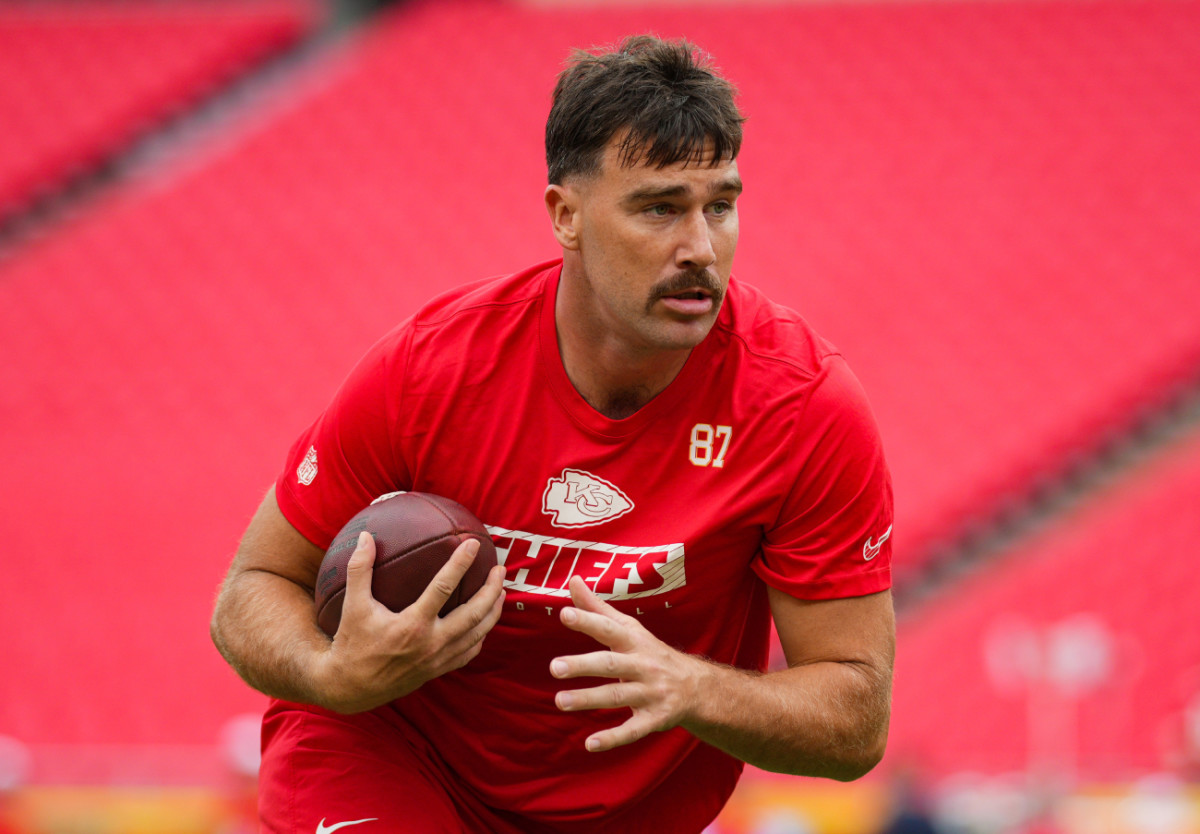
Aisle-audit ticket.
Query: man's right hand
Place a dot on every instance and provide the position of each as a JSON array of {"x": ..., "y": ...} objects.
[
  {"x": 379, "y": 655},
  {"x": 264, "y": 624}
]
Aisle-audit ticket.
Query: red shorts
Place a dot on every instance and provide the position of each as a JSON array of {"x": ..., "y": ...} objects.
[
  {"x": 360, "y": 774},
  {"x": 370, "y": 774}
]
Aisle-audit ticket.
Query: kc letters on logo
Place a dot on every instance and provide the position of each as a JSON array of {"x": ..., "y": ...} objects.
[{"x": 581, "y": 499}]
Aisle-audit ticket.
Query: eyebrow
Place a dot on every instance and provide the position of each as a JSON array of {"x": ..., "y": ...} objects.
[{"x": 643, "y": 195}]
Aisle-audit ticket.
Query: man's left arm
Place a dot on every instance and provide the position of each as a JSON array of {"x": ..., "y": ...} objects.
[{"x": 825, "y": 715}]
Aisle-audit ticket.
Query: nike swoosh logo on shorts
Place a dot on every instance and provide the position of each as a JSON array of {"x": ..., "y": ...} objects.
[{"x": 322, "y": 828}]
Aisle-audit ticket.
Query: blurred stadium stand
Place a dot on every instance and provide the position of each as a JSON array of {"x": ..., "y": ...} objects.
[
  {"x": 991, "y": 208},
  {"x": 81, "y": 82},
  {"x": 1079, "y": 631}
]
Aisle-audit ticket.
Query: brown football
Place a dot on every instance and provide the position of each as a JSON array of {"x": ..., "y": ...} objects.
[{"x": 415, "y": 533}]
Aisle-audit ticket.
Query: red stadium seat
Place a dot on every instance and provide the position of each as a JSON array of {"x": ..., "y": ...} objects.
[{"x": 79, "y": 81}]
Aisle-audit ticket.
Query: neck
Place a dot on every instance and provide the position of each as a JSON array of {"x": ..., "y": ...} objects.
[
  {"x": 613, "y": 380},
  {"x": 613, "y": 376}
]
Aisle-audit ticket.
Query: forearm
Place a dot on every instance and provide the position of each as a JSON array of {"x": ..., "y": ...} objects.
[
  {"x": 824, "y": 719},
  {"x": 825, "y": 715},
  {"x": 264, "y": 627}
]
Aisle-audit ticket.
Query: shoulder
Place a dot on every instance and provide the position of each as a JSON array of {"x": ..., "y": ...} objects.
[
  {"x": 774, "y": 339},
  {"x": 780, "y": 365},
  {"x": 466, "y": 315},
  {"x": 456, "y": 337},
  {"x": 489, "y": 297}
]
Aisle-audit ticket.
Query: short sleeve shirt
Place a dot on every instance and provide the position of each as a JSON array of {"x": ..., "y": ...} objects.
[{"x": 760, "y": 464}]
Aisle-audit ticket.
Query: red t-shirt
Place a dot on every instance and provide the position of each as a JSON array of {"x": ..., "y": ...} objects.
[{"x": 761, "y": 462}]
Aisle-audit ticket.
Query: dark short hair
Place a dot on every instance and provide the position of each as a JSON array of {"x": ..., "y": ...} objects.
[{"x": 668, "y": 95}]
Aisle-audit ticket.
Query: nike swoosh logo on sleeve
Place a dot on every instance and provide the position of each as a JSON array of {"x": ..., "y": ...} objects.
[
  {"x": 322, "y": 828},
  {"x": 871, "y": 550}
]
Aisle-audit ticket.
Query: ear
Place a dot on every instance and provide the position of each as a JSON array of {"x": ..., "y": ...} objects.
[{"x": 562, "y": 202}]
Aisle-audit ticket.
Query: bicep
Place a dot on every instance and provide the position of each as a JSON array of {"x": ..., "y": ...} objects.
[
  {"x": 857, "y": 630},
  {"x": 272, "y": 545}
]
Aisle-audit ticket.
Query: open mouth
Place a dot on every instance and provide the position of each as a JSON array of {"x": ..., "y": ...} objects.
[{"x": 689, "y": 303}]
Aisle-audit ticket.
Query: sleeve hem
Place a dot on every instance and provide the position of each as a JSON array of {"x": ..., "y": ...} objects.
[
  {"x": 296, "y": 515},
  {"x": 835, "y": 587}
]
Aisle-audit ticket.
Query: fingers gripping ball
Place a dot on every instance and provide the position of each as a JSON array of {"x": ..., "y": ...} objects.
[{"x": 415, "y": 533}]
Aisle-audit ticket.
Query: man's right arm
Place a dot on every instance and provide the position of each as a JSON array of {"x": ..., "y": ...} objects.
[{"x": 264, "y": 623}]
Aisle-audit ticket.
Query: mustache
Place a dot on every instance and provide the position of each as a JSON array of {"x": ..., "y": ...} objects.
[{"x": 688, "y": 279}]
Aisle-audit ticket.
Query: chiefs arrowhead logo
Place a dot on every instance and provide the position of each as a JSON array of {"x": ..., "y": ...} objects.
[{"x": 580, "y": 499}]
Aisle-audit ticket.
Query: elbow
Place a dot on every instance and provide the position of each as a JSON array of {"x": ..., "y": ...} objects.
[
  {"x": 214, "y": 623},
  {"x": 855, "y": 753},
  {"x": 864, "y": 751},
  {"x": 218, "y": 630},
  {"x": 858, "y": 763},
  {"x": 849, "y": 760},
  {"x": 214, "y": 633},
  {"x": 863, "y": 738}
]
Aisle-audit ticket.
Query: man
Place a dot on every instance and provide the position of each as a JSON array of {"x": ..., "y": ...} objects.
[{"x": 666, "y": 461}]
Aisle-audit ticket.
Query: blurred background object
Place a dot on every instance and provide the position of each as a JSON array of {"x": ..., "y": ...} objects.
[{"x": 209, "y": 209}]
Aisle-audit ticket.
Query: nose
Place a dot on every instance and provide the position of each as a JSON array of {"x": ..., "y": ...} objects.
[{"x": 694, "y": 249}]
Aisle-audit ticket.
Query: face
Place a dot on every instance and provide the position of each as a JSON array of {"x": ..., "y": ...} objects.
[{"x": 650, "y": 249}]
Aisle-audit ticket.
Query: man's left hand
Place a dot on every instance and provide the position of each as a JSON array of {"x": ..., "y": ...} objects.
[{"x": 658, "y": 683}]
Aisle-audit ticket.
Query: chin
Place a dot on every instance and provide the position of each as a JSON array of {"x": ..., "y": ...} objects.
[{"x": 682, "y": 335}]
